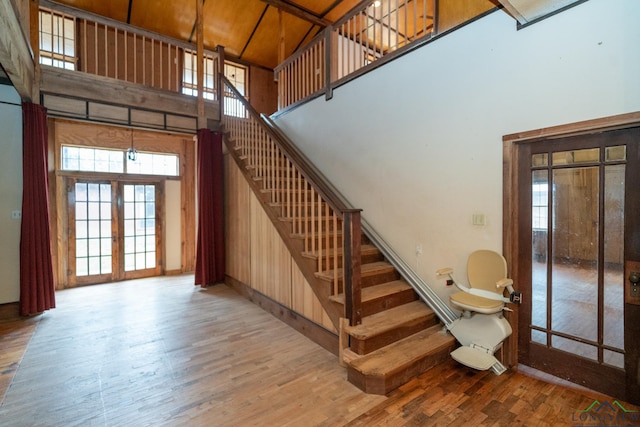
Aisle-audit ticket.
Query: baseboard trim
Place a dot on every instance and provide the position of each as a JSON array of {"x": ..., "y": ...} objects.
[
  {"x": 316, "y": 333},
  {"x": 10, "y": 311}
]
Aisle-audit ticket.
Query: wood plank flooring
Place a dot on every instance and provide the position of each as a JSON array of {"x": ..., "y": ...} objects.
[{"x": 163, "y": 352}]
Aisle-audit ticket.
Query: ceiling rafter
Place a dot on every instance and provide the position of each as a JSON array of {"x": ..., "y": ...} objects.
[
  {"x": 264, "y": 12},
  {"x": 298, "y": 12}
]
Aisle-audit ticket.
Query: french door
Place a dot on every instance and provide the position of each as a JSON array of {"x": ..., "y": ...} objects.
[
  {"x": 580, "y": 197},
  {"x": 114, "y": 231}
]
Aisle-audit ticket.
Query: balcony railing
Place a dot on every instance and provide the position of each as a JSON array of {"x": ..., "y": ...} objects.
[
  {"x": 108, "y": 48},
  {"x": 370, "y": 34}
]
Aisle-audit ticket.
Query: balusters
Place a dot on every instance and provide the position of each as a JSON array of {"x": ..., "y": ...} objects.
[{"x": 333, "y": 236}]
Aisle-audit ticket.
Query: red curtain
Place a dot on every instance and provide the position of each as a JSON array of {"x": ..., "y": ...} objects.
[
  {"x": 37, "y": 291},
  {"x": 210, "y": 247}
]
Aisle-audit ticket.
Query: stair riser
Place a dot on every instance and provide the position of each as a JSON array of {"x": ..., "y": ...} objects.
[
  {"x": 379, "y": 305},
  {"x": 383, "y": 385},
  {"x": 370, "y": 280},
  {"x": 364, "y": 259},
  {"x": 374, "y": 343}
]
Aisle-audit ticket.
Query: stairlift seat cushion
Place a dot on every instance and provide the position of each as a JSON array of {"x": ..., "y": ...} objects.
[{"x": 467, "y": 301}]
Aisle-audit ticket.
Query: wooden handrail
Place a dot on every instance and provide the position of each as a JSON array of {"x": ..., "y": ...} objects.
[
  {"x": 292, "y": 153},
  {"x": 330, "y": 229}
]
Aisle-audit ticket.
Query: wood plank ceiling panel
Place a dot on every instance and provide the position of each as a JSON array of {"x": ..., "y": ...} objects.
[
  {"x": 263, "y": 46},
  {"x": 172, "y": 18},
  {"x": 231, "y": 23},
  {"x": 114, "y": 9}
]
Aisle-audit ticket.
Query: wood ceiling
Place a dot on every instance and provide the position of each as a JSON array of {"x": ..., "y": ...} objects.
[{"x": 249, "y": 30}]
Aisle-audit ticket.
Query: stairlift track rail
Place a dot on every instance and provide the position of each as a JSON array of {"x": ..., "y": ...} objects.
[{"x": 459, "y": 328}]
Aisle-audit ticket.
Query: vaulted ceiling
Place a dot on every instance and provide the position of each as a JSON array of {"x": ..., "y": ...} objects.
[{"x": 248, "y": 29}]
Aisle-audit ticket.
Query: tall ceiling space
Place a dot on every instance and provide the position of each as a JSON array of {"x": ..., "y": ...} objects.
[{"x": 249, "y": 30}]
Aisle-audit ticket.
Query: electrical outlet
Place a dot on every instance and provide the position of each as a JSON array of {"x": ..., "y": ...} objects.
[{"x": 16, "y": 214}]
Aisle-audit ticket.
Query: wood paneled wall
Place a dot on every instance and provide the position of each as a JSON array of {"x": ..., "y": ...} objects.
[
  {"x": 257, "y": 256},
  {"x": 263, "y": 90},
  {"x": 455, "y": 12},
  {"x": 65, "y": 132}
]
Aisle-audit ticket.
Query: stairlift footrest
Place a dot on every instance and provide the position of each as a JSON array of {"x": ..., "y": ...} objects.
[{"x": 477, "y": 358}]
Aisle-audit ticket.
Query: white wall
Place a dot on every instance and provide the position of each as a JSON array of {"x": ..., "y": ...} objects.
[
  {"x": 418, "y": 143},
  {"x": 10, "y": 192}
]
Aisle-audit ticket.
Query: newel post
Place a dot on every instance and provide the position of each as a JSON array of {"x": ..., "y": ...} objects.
[{"x": 351, "y": 266}]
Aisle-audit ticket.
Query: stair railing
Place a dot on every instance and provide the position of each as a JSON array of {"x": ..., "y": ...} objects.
[
  {"x": 330, "y": 229},
  {"x": 428, "y": 295},
  {"x": 370, "y": 32}
]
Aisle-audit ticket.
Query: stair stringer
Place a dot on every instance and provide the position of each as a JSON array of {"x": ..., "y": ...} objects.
[{"x": 295, "y": 246}]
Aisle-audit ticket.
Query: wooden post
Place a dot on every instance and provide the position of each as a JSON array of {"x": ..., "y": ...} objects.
[
  {"x": 202, "y": 120},
  {"x": 281, "y": 45},
  {"x": 220, "y": 71},
  {"x": 351, "y": 266}
]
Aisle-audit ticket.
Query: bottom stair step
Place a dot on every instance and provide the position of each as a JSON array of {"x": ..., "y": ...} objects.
[{"x": 386, "y": 369}]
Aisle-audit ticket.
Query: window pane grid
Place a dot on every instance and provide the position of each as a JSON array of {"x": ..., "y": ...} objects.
[
  {"x": 87, "y": 159},
  {"x": 93, "y": 229},
  {"x": 139, "y": 227},
  {"x": 190, "y": 75},
  {"x": 57, "y": 40}
]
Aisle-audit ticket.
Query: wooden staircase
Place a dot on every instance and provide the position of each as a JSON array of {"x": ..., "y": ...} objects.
[{"x": 399, "y": 336}]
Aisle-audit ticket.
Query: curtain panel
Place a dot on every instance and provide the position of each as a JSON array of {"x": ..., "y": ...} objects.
[
  {"x": 37, "y": 288},
  {"x": 210, "y": 252}
]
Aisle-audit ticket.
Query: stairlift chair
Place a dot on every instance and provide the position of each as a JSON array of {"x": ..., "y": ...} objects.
[{"x": 482, "y": 328}]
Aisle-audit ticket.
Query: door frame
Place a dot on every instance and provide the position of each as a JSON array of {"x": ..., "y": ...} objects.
[
  {"x": 117, "y": 182},
  {"x": 513, "y": 145}
]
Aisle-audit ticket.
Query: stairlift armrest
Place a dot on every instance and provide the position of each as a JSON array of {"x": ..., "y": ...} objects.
[
  {"x": 514, "y": 296},
  {"x": 505, "y": 283},
  {"x": 448, "y": 271}
]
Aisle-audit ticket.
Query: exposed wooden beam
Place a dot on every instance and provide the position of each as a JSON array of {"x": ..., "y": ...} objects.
[
  {"x": 298, "y": 12},
  {"x": 15, "y": 52},
  {"x": 281, "y": 41},
  {"x": 202, "y": 122}
]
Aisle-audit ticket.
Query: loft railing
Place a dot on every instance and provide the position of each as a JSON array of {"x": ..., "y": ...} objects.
[
  {"x": 330, "y": 230},
  {"x": 73, "y": 39},
  {"x": 372, "y": 33},
  {"x": 369, "y": 32}
]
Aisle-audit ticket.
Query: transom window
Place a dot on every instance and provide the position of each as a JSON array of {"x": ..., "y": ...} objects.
[
  {"x": 57, "y": 40},
  {"x": 89, "y": 159}
]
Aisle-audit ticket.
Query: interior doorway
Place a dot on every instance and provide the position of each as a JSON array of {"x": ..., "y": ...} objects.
[{"x": 577, "y": 197}]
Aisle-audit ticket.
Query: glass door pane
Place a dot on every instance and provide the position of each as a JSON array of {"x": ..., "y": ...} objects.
[
  {"x": 93, "y": 234},
  {"x": 139, "y": 204},
  {"x": 577, "y": 253}
]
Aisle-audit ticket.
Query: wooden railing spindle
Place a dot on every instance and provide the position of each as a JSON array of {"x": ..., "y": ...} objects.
[{"x": 313, "y": 216}]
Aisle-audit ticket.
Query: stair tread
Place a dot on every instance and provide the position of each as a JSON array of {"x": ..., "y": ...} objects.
[
  {"x": 365, "y": 249},
  {"x": 377, "y": 291},
  {"x": 390, "y": 319},
  {"x": 369, "y": 269},
  {"x": 395, "y": 356}
]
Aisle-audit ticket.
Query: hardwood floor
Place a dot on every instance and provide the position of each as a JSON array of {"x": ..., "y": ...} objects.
[{"x": 163, "y": 352}]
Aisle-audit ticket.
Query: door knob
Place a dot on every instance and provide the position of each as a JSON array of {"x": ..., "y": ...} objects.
[{"x": 634, "y": 278}]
